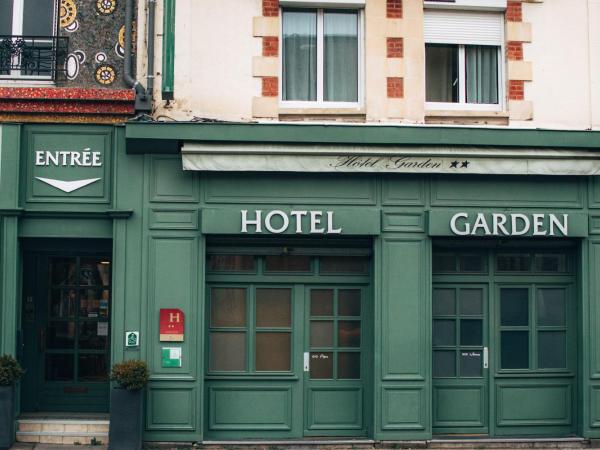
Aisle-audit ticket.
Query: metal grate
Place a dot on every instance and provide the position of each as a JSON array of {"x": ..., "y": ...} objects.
[{"x": 33, "y": 57}]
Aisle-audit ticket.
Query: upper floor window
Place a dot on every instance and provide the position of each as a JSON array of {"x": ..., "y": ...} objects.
[
  {"x": 463, "y": 60},
  {"x": 322, "y": 57},
  {"x": 28, "y": 45}
]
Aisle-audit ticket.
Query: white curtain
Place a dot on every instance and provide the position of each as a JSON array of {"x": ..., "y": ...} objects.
[
  {"x": 300, "y": 55},
  {"x": 481, "y": 74},
  {"x": 340, "y": 56}
]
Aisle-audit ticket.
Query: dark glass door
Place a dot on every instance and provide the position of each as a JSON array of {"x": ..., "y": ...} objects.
[{"x": 66, "y": 322}]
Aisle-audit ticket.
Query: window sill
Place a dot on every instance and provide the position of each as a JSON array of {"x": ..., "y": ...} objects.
[
  {"x": 351, "y": 114},
  {"x": 467, "y": 117}
]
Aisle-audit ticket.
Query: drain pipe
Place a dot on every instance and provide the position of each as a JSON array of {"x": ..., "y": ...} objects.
[{"x": 143, "y": 97}]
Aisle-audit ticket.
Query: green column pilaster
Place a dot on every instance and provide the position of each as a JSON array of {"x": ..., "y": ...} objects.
[{"x": 9, "y": 250}]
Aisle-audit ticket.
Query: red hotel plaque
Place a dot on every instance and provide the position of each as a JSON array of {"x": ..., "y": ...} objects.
[{"x": 171, "y": 325}]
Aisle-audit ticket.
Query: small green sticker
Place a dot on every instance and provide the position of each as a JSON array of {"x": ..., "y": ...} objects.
[{"x": 171, "y": 357}]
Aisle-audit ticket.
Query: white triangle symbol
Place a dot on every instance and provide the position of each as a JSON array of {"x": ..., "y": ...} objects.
[{"x": 68, "y": 186}]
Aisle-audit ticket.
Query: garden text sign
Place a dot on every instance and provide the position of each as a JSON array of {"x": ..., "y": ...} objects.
[{"x": 509, "y": 224}]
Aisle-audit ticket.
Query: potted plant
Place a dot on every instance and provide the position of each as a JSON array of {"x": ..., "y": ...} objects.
[
  {"x": 10, "y": 372},
  {"x": 126, "y": 405}
]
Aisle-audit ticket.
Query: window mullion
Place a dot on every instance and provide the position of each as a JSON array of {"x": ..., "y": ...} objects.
[
  {"x": 462, "y": 77},
  {"x": 320, "y": 55},
  {"x": 251, "y": 330}
]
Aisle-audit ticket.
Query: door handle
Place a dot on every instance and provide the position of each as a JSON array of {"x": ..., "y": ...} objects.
[
  {"x": 306, "y": 362},
  {"x": 486, "y": 357}
]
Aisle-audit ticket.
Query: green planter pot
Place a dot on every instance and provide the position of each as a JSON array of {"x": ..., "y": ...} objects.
[
  {"x": 7, "y": 423},
  {"x": 126, "y": 419}
]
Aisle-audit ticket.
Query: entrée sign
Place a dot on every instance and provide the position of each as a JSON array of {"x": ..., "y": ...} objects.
[
  {"x": 277, "y": 222},
  {"x": 515, "y": 224}
]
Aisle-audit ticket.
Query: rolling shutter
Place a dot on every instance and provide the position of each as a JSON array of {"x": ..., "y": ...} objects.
[{"x": 464, "y": 27}]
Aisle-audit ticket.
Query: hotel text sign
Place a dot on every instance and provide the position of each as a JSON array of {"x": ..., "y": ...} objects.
[
  {"x": 277, "y": 222},
  {"x": 509, "y": 224}
]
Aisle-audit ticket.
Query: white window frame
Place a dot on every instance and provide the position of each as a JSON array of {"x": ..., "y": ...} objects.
[
  {"x": 319, "y": 102},
  {"x": 462, "y": 104},
  {"x": 17, "y": 30}
]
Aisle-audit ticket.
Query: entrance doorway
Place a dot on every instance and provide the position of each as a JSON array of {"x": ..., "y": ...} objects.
[
  {"x": 504, "y": 342},
  {"x": 297, "y": 324},
  {"x": 66, "y": 326}
]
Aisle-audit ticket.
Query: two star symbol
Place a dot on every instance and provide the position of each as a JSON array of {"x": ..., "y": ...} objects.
[{"x": 463, "y": 164}]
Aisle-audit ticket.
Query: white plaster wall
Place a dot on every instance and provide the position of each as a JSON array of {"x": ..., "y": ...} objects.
[
  {"x": 594, "y": 29},
  {"x": 559, "y": 51},
  {"x": 214, "y": 47}
]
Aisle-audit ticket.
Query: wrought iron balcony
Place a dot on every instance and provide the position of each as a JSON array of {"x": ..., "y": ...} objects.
[{"x": 33, "y": 57}]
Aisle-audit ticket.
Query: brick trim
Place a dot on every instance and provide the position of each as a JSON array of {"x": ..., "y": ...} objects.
[
  {"x": 395, "y": 87},
  {"x": 514, "y": 51},
  {"x": 514, "y": 11},
  {"x": 395, "y": 47},
  {"x": 270, "y": 86},
  {"x": 393, "y": 9},
  {"x": 516, "y": 90},
  {"x": 270, "y": 8}
]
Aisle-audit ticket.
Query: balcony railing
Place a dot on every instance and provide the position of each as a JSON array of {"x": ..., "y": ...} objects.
[{"x": 33, "y": 57}]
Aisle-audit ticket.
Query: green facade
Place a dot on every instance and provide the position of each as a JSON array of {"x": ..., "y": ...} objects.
[{"x": 162, "y": 223}]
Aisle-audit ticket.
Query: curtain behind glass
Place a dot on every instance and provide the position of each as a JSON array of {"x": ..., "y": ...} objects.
[
  {"x": 482, "y": 74},
  {"x": 300, "y": 55},
  {"x": 441, "y": 73},
  {"x": 340, "y": 55},
  {"x": 6, "y": 13}
]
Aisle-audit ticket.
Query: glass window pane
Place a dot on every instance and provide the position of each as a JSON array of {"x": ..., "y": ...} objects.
[
  {"x": 471, "y": 302},
  {"x": 471, "y": 332},
  {"x": 92, "y": 272},
  {"x": 481, "y": 73},
  {"x": 231, "y": 263},
  {"x": 60, "y": 335},
  {"x": 444, "y": 303},
  {"x": 444, "y": 332},
  {"x": 444, "y": 262},
  {"x": 321, "y": 333},
  {"x": 441, "y": 73},
  {"x": 63, "y": 271},
  {"x": 513, "y": 263},
  {"x": 59, "y": 367},
  {"x": 273, "y": 351},
  {"x": 348, "y": 366},
  {"x": 6, "y": 12},
  {"x": 471, "y": 263},
  {"x": 63, "y": 303},
  {"x": 92, "y": 368},
  {"x": 344, "y": 264},
  {"x": 299, "y": 55},
  {"x": 340, "y": 56},
  {"x": 227, "y": 307},
  {"x": 93, "y": 335},
  {"x": 227, "y": 351},
  {"x": 321, "y": 302},
  {"x": 514, "y": 349},
  {"x": 514, "y": 307},
  {"x": 552, "y": 346},
  {"x": 321, "y": 365},
  {"x": 444, "y": 363},
  {"x": 287, "y": 263},
  {"x": 38, "y": 18},
  {"x": 349, "y": 333},
  {"x": 551, "y": 307},
  {"x": 471, "y": 364},
  {"x": 550, "y": 263},
  {"x": 90, "y": 302},
  {"x": 273, "y": 307},
  {"x": 349, "y": 302}
]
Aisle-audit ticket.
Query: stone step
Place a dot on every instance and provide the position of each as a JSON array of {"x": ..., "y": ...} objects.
[{"x": 53, "y": 430}]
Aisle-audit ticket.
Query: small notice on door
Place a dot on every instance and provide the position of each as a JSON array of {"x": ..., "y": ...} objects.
[
  {"x": 171, "y": 357},
  {"x": 102, "y": 329}
]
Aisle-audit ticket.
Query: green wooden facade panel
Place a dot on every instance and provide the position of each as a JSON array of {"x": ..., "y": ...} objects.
[
  {"x": 173, "y": 219},
  {"x": 403, "y": 408},
  {"x": 172, "y": 284},
  {"x": 403, "y": 221},
  {"x": 531, "y": 191},
  {"x": 340, "y": 408},
  {"x": 158, "y": 260},
  {"x": 252, "y": 188},
  {"x": 461, "y": 405},
  {"x": 405, "y": 297},
  {"x": 169, "y": 183}
]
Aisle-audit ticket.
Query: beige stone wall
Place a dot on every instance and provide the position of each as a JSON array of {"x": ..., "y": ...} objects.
[{"x": 220, "y": 66}]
